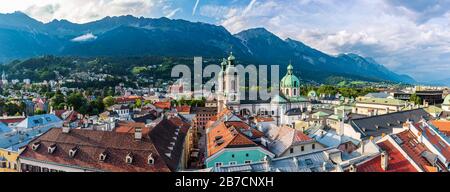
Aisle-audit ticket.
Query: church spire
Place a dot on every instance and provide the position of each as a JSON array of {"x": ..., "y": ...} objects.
[{"x": 290, "y": 68}]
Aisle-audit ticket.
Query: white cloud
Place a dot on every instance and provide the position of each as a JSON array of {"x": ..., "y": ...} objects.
[
  {"x": 392, "y": 34},
  {"x": 82, "y": 11},
  {"x": 85, "y": 37}
]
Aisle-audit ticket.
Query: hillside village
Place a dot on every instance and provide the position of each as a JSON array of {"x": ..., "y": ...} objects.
[{"x": 155, "y": 129}]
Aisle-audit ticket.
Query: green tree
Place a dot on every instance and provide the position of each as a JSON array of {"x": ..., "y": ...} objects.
[
  {"x": 58, "y": 100},
  {"x": 77, "y": 101},
  {"x": 108, "y": 101},
  {"x": 415, "y": 99},
  {"x": 138, "y": 103}
]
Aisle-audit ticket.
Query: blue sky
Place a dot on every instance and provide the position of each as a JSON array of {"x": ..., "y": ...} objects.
[{"x": 409, "y": 37}]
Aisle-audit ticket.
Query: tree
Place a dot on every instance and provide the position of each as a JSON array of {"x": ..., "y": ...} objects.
[
  {"x": 77, "y": 101},
  {"x": 138, "y": 103},
  {"x": 39, "y": 112},
  {"x": 108, "y": 101},
  {"x": 58, "y": 100},
  {"x": 415, "y": 99}
]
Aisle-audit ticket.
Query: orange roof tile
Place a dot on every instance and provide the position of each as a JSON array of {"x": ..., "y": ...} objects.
[
  {"x": 130, "y": 127},
  {"x": 162, "y": 105},
  {"x": 221, "y": 137},
  {"x": 241, "y": 126},
  {"x": 184, "y": 109},
  {"x": 264, "y": 119},
  {"x": 443, "y": 126}
]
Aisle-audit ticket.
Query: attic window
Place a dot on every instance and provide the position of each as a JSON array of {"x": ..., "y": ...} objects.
[
  {"x": 73, "y": 152},
  {"x": 129, "y": 158},
  {"x": 35, "y": 146},
  {"x": 51, "y": 148},
  {"x": 150, "y": 159},
  {"x": 102, "y": 156},
  {"x": 219, "y": 142},
  {"x": 218, "y": 137}
]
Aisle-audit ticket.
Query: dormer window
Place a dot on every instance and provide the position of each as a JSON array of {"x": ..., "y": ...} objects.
[
  {"x": 73, "y": 152},
  {"x": 51, "y": 148},
  {"x": 102, "y": 156},
  {"x": 129, "y": 158},
  {"x": 150, "y": 159},
  {"x": 35, "y": 146}
]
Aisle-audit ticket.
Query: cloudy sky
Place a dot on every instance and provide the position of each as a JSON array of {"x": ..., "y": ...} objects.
[{"x": 410, "y": 37}]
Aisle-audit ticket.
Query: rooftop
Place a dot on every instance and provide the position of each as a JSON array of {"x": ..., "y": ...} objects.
[
  {"x": 90, "y": 144},
  {"x": 381, "y": 101},
  {"x": 377, "y": 125},
  {"x": 396, "y": 163}
]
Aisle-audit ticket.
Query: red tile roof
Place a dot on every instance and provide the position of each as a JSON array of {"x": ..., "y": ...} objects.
[
  {"x": 397, "y": 162},
  {"x": 301, "y": 137},
  {"x": 130, "y": 127},
  {"x": 184, "y": 109},
  {"x": 241, "y": 126},
  {"x": 264, "y": 119},
  {"x": 12, "y": 120},
  {"x": 413, "y": 148},
  {"x": 90, "y": 145},
  {"x": 221, "y": 137},
  {"x": 162, "y": 104},
  {"x": 128, "y": 99},
  {"x": 435, "y": 140}
]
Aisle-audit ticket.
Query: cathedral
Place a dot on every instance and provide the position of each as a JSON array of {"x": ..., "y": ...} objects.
[{"x": 288, "y": 98}]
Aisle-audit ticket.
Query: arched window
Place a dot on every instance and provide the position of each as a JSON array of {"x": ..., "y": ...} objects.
[
  {"x": 295, "y": 84},
  {"x": 287, "y": 91},
  {"x": 295, "y": 92},
  {"x": 233, "y": 85}
]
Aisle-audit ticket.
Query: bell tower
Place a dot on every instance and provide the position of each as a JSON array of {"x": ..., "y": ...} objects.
[{"x": 228, "y": 84}]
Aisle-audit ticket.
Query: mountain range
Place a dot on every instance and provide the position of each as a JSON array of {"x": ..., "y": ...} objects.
[{"x": 23, "y": 37}]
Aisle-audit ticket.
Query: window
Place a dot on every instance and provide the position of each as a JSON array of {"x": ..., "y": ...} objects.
[
  {"x": 313, "y": 146},
  {"x": 218, "y": 164},
  {"x": 129, "y": 159},
  {"x": 246, "y": 155},
  {"x": 295, "y": 92},
  {"x": 287, "y": 91},
  {"x": 291, "y": 150},
  {"x": 232, "y": 156},
  {"x": 248, "y": 162},
  {"x": 233, "y": 163},
  {"x": 303, "y": 148},
  {"x": 309, "y": 162}
]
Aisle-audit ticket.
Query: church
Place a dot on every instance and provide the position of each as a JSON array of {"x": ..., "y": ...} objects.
[{"x": 288, "y": 97}]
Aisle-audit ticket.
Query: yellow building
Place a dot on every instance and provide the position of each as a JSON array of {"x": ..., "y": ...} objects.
[{"x": 8, "y": 160}]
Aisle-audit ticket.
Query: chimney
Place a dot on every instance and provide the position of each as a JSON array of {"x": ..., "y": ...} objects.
[
  {"x": 353, "y": 168},
  {"x": 362, "y": 147},
  {"x": 324, "y": 166},
  {"x": 267, "y": 163},
  {"x": 384, "y": 160},
  {"x": 66, "y": 129},
  {"x": 138, "y": 133}
]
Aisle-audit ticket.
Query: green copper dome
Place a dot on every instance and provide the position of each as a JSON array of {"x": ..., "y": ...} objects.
[
  {"x": 231, "y": 57},
  {"x": 446, "y": 100},
  {"x": 290, "y": 80},
  {"x": 224, "y": 62}
]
